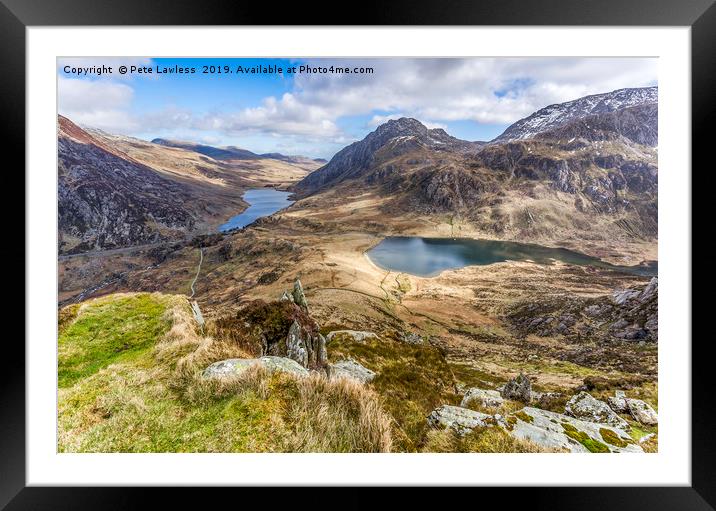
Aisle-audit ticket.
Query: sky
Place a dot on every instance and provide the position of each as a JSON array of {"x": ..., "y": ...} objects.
[{"x": 318, "y": 113}]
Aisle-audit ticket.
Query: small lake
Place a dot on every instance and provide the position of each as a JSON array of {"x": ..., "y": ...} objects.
[
  {"x": 262, "y": 202},
  {"x": 427, "y": 257}
]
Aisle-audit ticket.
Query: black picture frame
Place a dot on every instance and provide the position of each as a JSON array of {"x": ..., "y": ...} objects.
[{"x": 700, "y": 15}]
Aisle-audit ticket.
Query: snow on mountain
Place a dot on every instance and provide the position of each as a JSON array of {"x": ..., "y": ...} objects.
[{"x": 554, "y": 116}]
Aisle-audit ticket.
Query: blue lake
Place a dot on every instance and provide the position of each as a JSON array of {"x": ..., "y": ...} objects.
[
  {"x": 427, "y": 257},
  {"x": 262, "y": 202}
]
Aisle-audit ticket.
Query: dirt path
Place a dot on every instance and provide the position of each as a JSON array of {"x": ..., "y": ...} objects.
[{"x": 198, "y": 270}]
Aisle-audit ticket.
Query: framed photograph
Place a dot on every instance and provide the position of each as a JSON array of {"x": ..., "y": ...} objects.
[{"x": 425, "y": 247}]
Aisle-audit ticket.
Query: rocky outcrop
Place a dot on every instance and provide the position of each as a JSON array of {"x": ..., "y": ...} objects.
[
  {"x": 549, "y": 430},
  {"x": 352, "y": 370},
  {"x": 554, "y": 430},
  {"x": 518, "y": 389},
  {"x": 461, "y": 420},
  {"x": 235, "y": 366},
  {"x": 282, "y": 329},
  {"x": 485, "y": 398},
  {"x": 626, "y": 314},
  {"x": 584, "y": 406},
  {"x": 299, "y": 298}
]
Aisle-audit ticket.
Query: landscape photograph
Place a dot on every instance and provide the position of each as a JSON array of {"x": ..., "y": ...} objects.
[{"x": 391, "y": 255}]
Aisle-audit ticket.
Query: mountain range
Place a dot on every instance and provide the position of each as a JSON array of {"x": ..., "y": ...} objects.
[
  {"x": 570, "y": 169},
  {"x": 566, "y": 169},
  {"x": 116, "y": 191}
]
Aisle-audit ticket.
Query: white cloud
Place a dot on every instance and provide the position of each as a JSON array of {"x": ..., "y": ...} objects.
[{"x": 100, "y": 104}]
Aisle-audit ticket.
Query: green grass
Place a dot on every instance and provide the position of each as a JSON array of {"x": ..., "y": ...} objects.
[
  {"x": 150, "y": 396},
  {"x": 105, "y": 331}
]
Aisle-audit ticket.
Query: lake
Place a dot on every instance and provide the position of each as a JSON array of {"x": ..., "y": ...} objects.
[
  {"x": 262, "y": 202},
  {"x": 427, "y": 257}
]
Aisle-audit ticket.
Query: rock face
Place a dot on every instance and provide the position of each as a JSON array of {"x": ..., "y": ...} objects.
[
  {"x": 486, "y": 398},
  {"x": 584, "y": 406},
  {"x": 461, "y": 420},
  {"x": 355, "y": 335},
  {"x": 352, "y": 370},
  {"x": 518, "y": 389},
  {"x": 555, "y": 430},
  {"x": 235, "y": 366}
]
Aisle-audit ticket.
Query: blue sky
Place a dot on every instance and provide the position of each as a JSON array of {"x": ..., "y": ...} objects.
[{"x": 316, "y": 114}]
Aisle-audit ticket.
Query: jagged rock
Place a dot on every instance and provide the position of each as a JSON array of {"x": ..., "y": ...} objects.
[
  {"x": 295, "y": 345},
  {"x": 356, "y": 335},
  {"x": 351, "y": 369},
  {"x": 487, "y": 398},
  {"x": 283, "y": 329},
  {"x": 642, "y": 412},
  {"x": 518, "y": 389},
  {"x": 299, "y": 297},
  {"x": 584, "y": 406},
  {"x": 557, "y": 431},
  {"x": 286, "y": 297},
  {"x": 461, "y": 420},
  {"x": 236, "y": 366}
]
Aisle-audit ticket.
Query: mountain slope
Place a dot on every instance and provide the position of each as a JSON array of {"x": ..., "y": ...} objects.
[
  {"x": 389, "y": 140},
  {"x": 218, "y": 153},
  {"x": 554, "y": 116},
  {"x": 117, "y": 191},
  {"x": 592, "y": 175}
]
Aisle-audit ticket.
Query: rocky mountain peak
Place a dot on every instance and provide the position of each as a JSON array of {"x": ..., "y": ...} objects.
[{"x": 557, "y": 115}]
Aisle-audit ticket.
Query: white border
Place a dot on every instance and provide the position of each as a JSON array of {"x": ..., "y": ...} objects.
[{"x": 671, "y": 466}]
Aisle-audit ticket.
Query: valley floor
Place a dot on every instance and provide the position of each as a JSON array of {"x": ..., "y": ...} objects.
[{"x": 468, "y": 319}]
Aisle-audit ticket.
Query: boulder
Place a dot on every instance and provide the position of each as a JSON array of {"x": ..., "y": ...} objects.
[
  {"x": 286, "y": 297},
  {"x": 461, "y": 420},
  {"x": 352, "y": 370},
  {"x": 487, "y": 398},
  {"x": 518, "y": 389},
  {"x": 356, "y": 335},
  {"x": 642, "y": 412},
  {"x": 235, "y": 366},
  {"x": 557, "y": 431},
  {"x": 584, "y": 406},
  {"x": 618, "y": 402}
]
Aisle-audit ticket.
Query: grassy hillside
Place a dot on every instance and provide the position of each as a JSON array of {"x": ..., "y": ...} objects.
[{"x": 129, "y": 376}]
